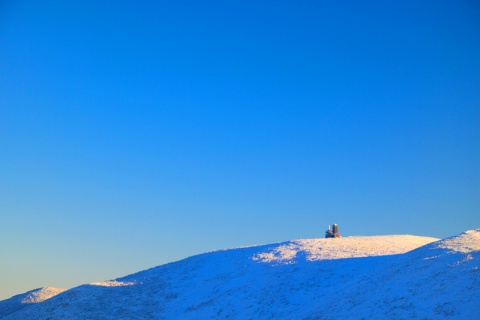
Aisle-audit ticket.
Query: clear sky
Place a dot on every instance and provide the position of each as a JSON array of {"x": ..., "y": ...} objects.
[{"x": 138, "y": 133}]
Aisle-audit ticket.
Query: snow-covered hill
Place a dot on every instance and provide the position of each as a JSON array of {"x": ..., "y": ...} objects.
[
  {"x": 20, "y": 301},
  {"x": 382, "y": 277}
]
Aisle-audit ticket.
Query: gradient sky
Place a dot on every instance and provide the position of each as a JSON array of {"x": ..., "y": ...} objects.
[{"x": 135, "y": 134}]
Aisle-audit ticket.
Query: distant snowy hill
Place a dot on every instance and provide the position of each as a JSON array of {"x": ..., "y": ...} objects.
[
  {"x": 381, "y": 277},
  {"x": 20, "y": 301}
]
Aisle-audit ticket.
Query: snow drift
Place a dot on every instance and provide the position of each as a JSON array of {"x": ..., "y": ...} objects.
[{"x": 382, "y": 277}]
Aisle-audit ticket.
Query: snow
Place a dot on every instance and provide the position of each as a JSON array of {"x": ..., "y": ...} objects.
[
  {"x": 113, "y": 283},
  {"x": 466, "y": 242},
  {"x": 338, "y": 248},
  {"x": 381, "y": 277},
  {"x": 41, "y": 294},
  {"x": 20, "y": 301}
]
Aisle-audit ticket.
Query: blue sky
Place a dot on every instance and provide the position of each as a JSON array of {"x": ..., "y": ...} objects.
[{"x": 137, "y": 134}]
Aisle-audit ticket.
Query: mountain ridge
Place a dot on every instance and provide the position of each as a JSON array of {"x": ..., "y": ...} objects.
[{"x": 373, "y": 277}]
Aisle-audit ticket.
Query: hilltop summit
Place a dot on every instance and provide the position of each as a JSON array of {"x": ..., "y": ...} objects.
[{"x": 20, "y": 301}]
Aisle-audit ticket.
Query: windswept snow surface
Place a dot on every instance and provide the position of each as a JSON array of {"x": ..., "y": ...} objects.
[{"x": 346, "y": 278}]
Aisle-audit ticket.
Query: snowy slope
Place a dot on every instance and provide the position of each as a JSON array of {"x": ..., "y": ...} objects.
[{"x": 350, "y": 278}]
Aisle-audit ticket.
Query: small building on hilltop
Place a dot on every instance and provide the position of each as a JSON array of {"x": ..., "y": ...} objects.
[{"x": 332, "y": 233}]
